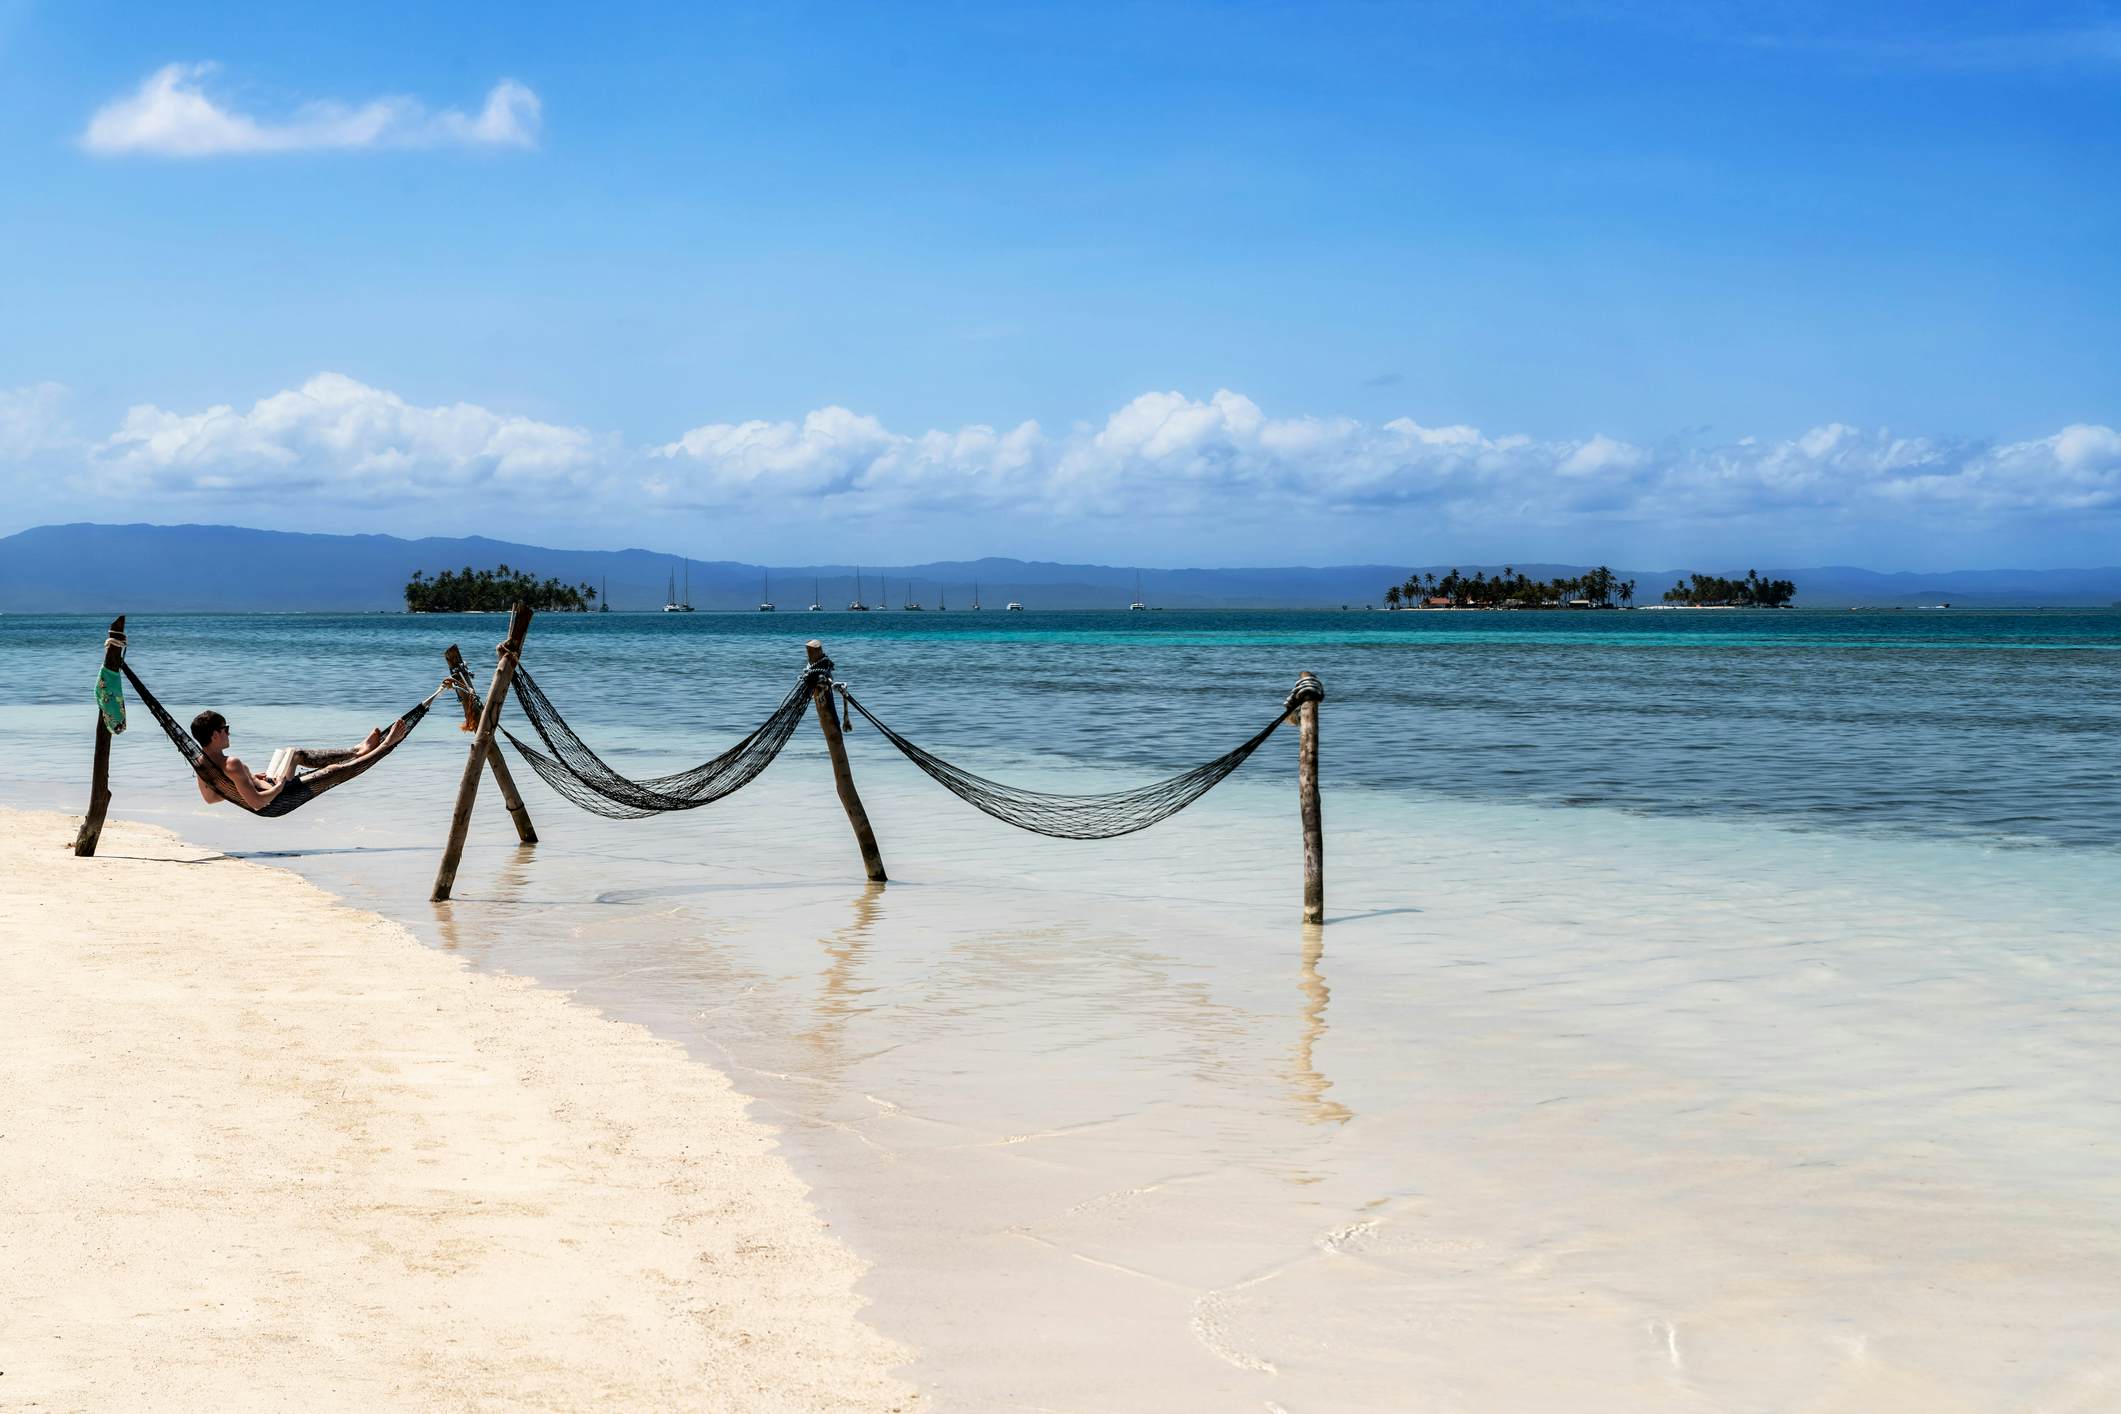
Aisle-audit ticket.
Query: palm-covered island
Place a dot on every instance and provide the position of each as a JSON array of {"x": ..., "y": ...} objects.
[
  {"x": 493, "y": 591},
  {"x": 1597, "y": 589},
  {"x": 1708, "y": 591},
  {"x": 1510, "y": 590}
]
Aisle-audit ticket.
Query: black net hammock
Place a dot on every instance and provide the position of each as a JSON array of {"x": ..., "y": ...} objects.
[
  {"x": 581, "y": 776},
  {"x": 1087, "y": 817},
  {"x": 297, "y": 792}
]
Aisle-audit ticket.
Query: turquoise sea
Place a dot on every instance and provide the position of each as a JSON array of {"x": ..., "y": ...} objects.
[
  {"x": 1715, "y": 1010},
  {"x": 1997, "y": 726}
]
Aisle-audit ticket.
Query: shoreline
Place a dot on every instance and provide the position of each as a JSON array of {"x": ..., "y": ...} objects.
[{"x": 268, "y": 1149}]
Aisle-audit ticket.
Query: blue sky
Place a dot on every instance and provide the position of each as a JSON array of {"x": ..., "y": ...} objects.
[{"x": 1173, "y": 284}]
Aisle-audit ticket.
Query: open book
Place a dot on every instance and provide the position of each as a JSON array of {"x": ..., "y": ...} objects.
[{"x": 283, "y": 763}]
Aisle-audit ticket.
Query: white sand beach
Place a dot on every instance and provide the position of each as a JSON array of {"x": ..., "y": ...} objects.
[{"x": 263, "y": 1151}]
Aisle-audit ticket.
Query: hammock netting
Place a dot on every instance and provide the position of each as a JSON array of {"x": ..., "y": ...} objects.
[
  {"x": 1081, "y": 817},
  {"x": 297, "y": 792},
  {"x": 579, "y": 774},
  {"x": 576, "y": 772}
]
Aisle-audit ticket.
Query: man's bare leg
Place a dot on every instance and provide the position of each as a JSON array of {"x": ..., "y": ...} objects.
[
  {"x": 314, "y": 756},
  {"x": 348, "y": 762}
]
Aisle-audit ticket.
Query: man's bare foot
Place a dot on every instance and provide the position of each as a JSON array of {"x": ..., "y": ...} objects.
[
  {"x": 396, "y": 733},
  {"x": 372, "y": 740}
]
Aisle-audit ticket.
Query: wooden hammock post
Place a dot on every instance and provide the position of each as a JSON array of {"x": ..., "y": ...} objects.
[
  {"x": 842, "y": 777},
  {"x": 1311, "y": 693},
  {"x": 525, "y": 831},
  {"x": 504, "y": 673},
  {"x": 99, "y": 774}
]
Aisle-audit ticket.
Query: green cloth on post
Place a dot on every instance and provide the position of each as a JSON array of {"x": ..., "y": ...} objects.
[{"x": 110, "y": 699}]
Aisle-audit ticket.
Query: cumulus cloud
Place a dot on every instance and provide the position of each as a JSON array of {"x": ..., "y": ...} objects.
[
  {"x": 1163, "y": 456},
  {"x": 1169, "y": 454},
  {"x": 171, "y": 115},
  {"x": 340, "y": 437}
]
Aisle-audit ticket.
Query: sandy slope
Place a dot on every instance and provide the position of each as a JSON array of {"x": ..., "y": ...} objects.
[{"x": 259, "y": 1150}]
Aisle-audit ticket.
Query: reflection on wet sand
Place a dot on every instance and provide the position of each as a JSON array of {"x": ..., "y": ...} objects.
[
  {"x": 511, "y": 882},
  {"x": 839, "y": 999},
  {"x": 1307, "y": 1084}
]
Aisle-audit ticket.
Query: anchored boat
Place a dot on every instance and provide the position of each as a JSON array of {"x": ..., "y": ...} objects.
[{"x": 671, "y": 603}]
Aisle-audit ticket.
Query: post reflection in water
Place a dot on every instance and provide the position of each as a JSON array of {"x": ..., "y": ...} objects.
[
  {"x": 839, "y": 998},
  {"x": 510, "y": 884},
  {"x": 446, "y": 924},
  {"x": 1307, "y": 1084}
]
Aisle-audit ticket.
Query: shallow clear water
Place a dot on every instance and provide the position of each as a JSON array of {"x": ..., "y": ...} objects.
[{"x": 1715, "y": 1010}]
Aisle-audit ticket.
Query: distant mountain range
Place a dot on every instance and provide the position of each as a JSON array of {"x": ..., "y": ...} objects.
[{"x": 111, "y": 569}]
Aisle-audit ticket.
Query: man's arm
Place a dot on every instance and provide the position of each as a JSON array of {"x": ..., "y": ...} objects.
[{"x": 245, "y": 781}]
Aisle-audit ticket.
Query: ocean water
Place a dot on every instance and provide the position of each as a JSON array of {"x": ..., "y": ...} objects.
[
  {"x": 1990, "y": 726},
  {"x": 1714, "y": 1010}
]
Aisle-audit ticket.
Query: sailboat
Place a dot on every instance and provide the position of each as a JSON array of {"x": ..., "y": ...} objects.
[
  {"x": 975, "y": 596},
  {"x": 912, "y": 605},
  {"x": 942, "y": 599},
  {"x": 604, "y": 596},
  {"x": 1138, "y": 603},
  {"x": 855, "y": 605},
  {"x": 674, "y": 605},
  {"x": 817, "y": 598},
  {"x": 765, "y": 594}
]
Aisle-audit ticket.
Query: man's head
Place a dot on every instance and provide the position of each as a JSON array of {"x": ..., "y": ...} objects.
[{"x": 210, "y": 730}]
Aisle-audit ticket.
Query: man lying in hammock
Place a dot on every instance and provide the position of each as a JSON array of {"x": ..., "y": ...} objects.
[{"x": 258, "y": 790}]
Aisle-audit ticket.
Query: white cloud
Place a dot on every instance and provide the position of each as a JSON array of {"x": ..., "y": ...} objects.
[
  {"x": 1163, "y": 457},
  {"x": 1165, "y": 454},
  {"x": 31, "y": 421},
  {"x": 341, "y": 438},
  {"x": 171, "y": 115}
]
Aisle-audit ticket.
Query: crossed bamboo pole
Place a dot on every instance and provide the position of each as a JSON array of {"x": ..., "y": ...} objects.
[
  {"x": 482, "y": 752},
  {"x": 497, "y": 765}
]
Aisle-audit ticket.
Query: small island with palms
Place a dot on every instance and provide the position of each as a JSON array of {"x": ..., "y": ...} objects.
[
  {"x": 492, "y": 591},
  {"x": 1597, "y": 589}
]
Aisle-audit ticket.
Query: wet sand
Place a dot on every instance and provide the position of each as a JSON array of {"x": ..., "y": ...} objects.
[{"x": 261, "y": 1150}]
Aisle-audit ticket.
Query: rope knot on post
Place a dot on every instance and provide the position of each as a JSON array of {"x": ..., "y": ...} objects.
[{"x": 1308, "y": 689}]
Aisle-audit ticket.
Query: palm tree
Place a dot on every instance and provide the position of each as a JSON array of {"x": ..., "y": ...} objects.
[
  {"x": 1392, "y": 597},
  {"x": 1627, "y": 593}
]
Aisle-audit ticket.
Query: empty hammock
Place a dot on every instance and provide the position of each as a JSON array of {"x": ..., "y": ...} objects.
[
  {"x": 299, "y": 791},
  {"x": 1086, "y": 817},
  {"x": 581, "y": 776}
]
